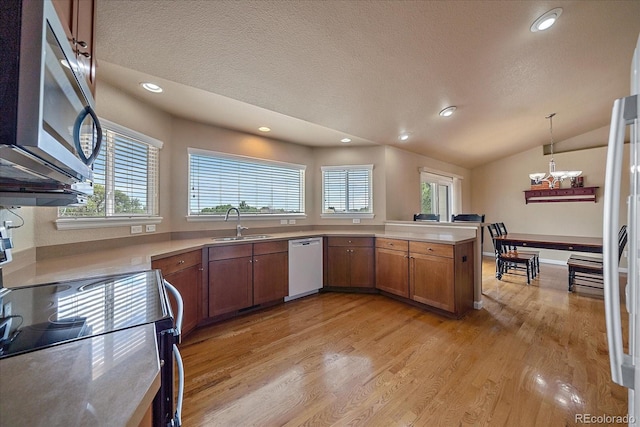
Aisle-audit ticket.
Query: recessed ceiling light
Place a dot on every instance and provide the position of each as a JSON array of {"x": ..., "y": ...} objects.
[
  {"x": 264, "y": 129},
  {"x": 547, "y": 20},
  {"x": 448, "y": 111},
  {"x": 403, "y": 137},
  {"x": 345, "y": 140},
  {"x": 151, "y": 87}
]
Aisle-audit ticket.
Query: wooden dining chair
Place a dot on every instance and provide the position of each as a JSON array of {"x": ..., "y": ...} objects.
[
  {"x": 502, "y": 229},
  {"x": 585, "y": 270},
  {"x": 426, "y": 217},
  {"x": 510, "y": 262}
]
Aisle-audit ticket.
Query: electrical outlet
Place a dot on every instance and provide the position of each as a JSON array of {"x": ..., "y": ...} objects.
[
  {"x": 356, "y": 220},
  {"x": 292, "y": 221},
  {"x": 283, "y": 222},
  {"x": 150, "y": 228},
  {"x": 7, "y": 309},
  {"x": 8, "y": 224},
  {"x": 135, "y": 229}
]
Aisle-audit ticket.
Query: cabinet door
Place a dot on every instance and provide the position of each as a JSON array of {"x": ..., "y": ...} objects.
[
  {"x": 392, "y": 271},
  {"x": 338, "y": 266},
  {"x": 362, "y": 267},
  {"x": 432, "y": 281},
  {"x": 84, "y": 33},
  {"x": 270, "y": 277},
  {"x": 187, "y": 282},
  {"x": 230, "y": 285}
]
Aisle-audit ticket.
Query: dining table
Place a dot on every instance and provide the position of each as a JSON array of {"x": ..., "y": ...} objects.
[{"x": 544, "y": 241}]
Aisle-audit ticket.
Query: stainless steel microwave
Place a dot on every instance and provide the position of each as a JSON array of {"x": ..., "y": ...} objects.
[{"x": 49, "y": 132}]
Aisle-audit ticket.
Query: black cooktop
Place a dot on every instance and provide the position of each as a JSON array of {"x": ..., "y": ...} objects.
[{"x": 44, "y": 315}]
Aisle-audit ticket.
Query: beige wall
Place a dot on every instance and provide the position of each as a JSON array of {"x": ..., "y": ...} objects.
[
  {"x": 403, "y": 182},
  {"x": 344, "y": 156},
  {"x": 495, "y": 189},
  {"x": 498, "y": 192},
  {"x": 187, "y": 134}
]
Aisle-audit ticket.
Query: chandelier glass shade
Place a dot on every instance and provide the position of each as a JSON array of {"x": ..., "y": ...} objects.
[{"x": 554, "y": 177}]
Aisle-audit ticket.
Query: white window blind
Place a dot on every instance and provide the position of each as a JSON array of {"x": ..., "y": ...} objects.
[
  {"x": 257, "y": 187},
  {"x": 347, "y": 189},
  {"x": 125, "y": 176}
]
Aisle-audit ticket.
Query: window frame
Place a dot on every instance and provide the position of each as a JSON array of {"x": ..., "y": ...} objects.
[
  {"x": 343, "y": 215},
  {"x": 451, "y": 181},
  {"x": 248, "y": 159},
  {"x": 111, "y": 220}
]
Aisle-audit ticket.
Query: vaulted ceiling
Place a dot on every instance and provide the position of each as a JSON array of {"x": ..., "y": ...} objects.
[{"x": 319, "y": 71}]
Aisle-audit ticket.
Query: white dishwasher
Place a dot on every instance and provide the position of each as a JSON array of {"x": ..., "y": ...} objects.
[{"x": 305, "y": 267}]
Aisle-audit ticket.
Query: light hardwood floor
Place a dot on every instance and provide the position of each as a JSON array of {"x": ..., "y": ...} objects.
[{"x": 534, "y": 355}]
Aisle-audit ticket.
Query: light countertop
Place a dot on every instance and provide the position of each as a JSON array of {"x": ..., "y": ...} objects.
[
  {"x": 139, "y": 257},
  {"x": 107, "y": 380}
]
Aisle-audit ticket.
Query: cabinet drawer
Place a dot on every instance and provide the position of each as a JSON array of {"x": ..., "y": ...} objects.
[
  {"x": 427, "y": 248},
  {"x": 395, "y": 244},
  {"x": 350, "y": 241},
  {"x": 230, "y": 251},
  {"x": 178, "y": 262},
  {"x": 270, "y": 247}
]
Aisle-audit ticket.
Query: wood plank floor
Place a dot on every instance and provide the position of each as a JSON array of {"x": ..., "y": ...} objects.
[{"x": 533, "y": 356}]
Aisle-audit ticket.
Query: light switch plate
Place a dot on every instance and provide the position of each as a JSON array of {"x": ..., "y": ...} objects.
[{"x": 135, "y": 229}]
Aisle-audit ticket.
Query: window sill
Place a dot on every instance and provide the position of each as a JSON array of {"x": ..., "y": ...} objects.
[
  {"x": 347, "y": 215},
  {"x": 243, "y": 217},
  {"x": 84, "y": 223}
]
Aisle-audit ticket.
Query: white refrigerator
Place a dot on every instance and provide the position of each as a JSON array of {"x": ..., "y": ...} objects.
[{"x": 625, "y": 368}]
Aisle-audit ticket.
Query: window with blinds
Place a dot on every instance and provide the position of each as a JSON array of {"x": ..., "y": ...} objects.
[
  {"x": 256, "y": 187},
  {"x": 347, "y": 190},
  {"x": 125, "y": 176}
]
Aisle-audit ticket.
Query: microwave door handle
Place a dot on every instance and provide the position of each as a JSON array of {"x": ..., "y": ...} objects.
[
  {"x": 76, "y": 135},
  {"x": 177, "y": 419}
]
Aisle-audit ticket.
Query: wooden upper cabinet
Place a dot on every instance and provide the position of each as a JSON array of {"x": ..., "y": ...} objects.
[{"x": 78, "y": 19}]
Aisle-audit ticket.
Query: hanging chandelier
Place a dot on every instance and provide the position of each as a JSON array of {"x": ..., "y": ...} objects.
[{"x": 554, "y": 177}]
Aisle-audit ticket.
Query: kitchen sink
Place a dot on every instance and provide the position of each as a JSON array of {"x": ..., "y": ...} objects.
[{"x": 234, "y": 238}]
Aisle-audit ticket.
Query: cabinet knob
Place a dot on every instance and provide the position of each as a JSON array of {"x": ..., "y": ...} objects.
[
  {"x": 430, "y": 249},
  {"x": 349, "y": 241}
]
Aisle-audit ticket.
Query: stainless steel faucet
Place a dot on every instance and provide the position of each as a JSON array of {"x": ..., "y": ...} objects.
[{"x": 239, "y": 228}]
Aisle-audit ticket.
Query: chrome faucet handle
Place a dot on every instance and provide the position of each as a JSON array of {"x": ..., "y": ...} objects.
[{"x": 239, "y": 229}]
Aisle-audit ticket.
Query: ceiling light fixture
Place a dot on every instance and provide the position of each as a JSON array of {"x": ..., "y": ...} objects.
[
  {"x": 151, "y": 87},
  {"x": 547, "y": 20},
  {"x": 264, "y": 129},
  {"x": 345, "y": 140},
  {"x": 403, "y": 137},
  {"x": 554, "y": 176},
  {"x": 448, "y": 111}
]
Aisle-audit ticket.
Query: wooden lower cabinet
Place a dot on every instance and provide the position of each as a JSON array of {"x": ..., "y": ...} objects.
[
  {"x": 245, "y": 275},
  {"x": 392, "y": 266},
  {"x": 441, "y": 275},
  {"x": 270, "y": 271},
  {"x": 230, "y": 278},
  {"x": 350, "y": 262},
  {"x": 184, "y": 272},
  {"x": 432, "y": 281},
  {"x": 435, "y": 274}
]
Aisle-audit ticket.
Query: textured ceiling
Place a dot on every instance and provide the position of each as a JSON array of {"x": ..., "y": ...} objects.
[{"x": 315, "y": 71}]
